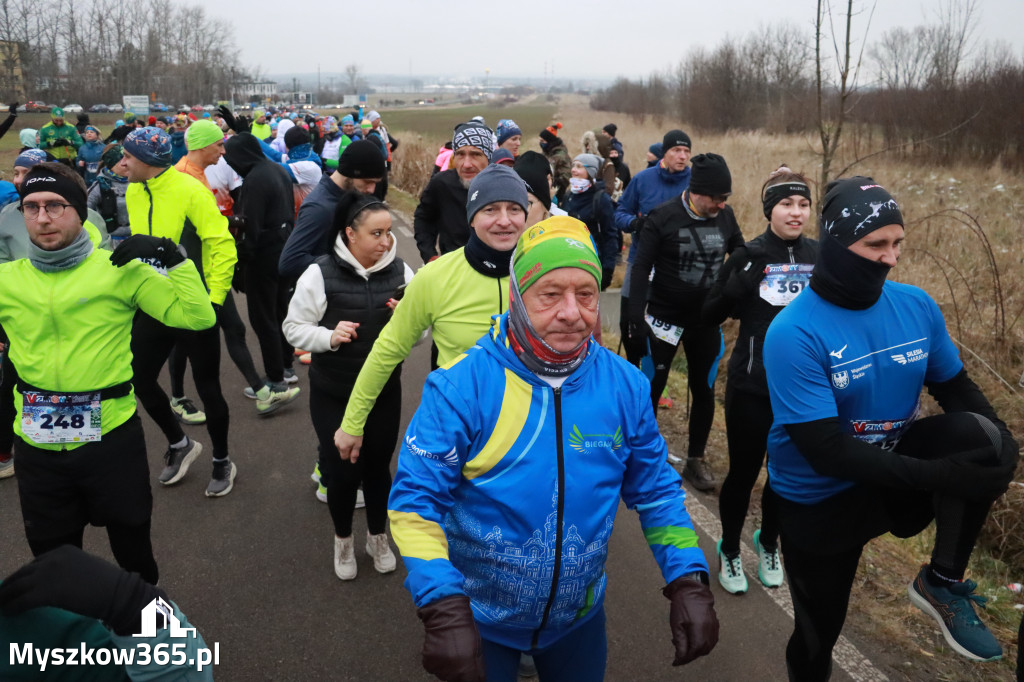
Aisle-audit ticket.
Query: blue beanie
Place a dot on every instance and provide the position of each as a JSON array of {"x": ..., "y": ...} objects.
[
  {"x": 150, "y": 145},
  {"x": 495, "y": 183},
  {"x": 507, "y": 128},
  {"x": 348, "y": 119},
  {"x": 657, "y": 150},
  {"x": 30, "y": 157}
]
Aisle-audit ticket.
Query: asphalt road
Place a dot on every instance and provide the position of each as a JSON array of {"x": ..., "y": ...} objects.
[{"x": 254, "y": 570}]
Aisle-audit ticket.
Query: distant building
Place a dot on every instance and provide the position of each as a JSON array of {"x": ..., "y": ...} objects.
[
  {"x": 12, "y": 78},
  {"x": 255, "y": 90}
]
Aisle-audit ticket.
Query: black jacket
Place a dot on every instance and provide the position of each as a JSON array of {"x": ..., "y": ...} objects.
[
  {"x": 686, "y": 253},
  {"x": 746, "y": 367},
  {"x": 266, "y": 199},
  {"x": 440, "y": 219}
]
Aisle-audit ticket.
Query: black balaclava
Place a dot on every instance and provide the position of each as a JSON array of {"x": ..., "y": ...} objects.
[{"x": 852, "y": 208}]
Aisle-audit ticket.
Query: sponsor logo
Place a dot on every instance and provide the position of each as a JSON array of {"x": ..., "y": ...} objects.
[
  {"x": 841, "y": 379},
  {"x": 450, "y": 458},
  {"x": 900, "y": 358},
  {"x": 916, "y": 355},
  {"x": 591, "y": 443},
  {"x": 838, "y": 354}
]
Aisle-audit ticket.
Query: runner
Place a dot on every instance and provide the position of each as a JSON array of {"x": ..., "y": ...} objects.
[{"x": 755, "y": 284}]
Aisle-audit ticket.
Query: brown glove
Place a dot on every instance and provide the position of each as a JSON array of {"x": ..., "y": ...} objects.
[
  {"x": 451, "y": 646},
  {"x": 692, "y": 617}
]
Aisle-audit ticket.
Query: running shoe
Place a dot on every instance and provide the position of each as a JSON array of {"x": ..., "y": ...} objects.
[
  {"x": 223, "y": 479},
  {"x": 186, "y": 411},
  {"x": 730, "y": 572},
  {"x": 665, "y": 403},
  {"x": 6, "y": 466},
  {"x": 315, "y": 476},
  {"x": 249, "y": 393},
  {"x": 271, "y": 399},
  {"x": 344, "y": 558},
  {"x": 672, "y": 459},
  {"x": 697, "y": 472},
  {"x": 179, "y": 460},
  {"x": 383, "y": 558},
  {"x": 769, "y": 565},
  {"x": 321, "y": 493},
  {"x": 290, "y": 377},
  {"x": 299, "y": 351},
  {"x": 952, "y": 609}
]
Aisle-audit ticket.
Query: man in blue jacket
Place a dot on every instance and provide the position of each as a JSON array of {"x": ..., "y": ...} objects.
[
  {"x": 649, "y": 188},
  {"x": 504, "y": 501}
]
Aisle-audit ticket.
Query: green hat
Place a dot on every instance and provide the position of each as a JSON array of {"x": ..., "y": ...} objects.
[
  {"x": 202, "y": 134},
  {"x": 558, "y": 242},
  {"x": 129, "y": 117},
  {"x": 56, "y": 112}
]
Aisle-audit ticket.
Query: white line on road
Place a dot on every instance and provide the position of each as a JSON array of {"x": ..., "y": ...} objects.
[
  {"x": 405, "y": 231},
  {"x": 845, "y": 654}
]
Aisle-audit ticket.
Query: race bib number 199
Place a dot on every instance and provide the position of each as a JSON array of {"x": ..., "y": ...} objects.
[
  {"x": 61, "y": 417},
  {"x": 669, "y": 333},
  {"x": 782, "y": 282}
]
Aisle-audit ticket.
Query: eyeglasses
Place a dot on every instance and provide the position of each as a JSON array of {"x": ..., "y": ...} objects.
[{"x": 54, "y": 209}]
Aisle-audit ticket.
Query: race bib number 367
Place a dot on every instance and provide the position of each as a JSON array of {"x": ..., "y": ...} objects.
[
  {"x": 782, "y": 282},
  {"x": 61, "y": 417}
]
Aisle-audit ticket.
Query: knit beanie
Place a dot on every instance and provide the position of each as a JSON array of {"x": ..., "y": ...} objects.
[
  {"x": 591, "y": 162},
  {"x": 500, "y": 155},
  {"x": 151, "y": 121},
  {"x": 474, "y": 135},
  {"x": 534, "y": 169},
  {"x": 710, "y": 176},
  {"x": 56, "y": 112},
  {"x": 29, "y": 158},
  {"x": 657, "y": 149},
  {"x": 611, "y": 129},
  {"x": 494, "y": 183},
  {"x": 373, "y": 116},
  {"x": 675, "y": 138},
  {"x": 296, "y": 136},
  {"x": 202, "y": 134},
  {"x": 43, "y": 179},
  {"x": 129, "y": 117},
  {"x": 551, "y": 132},
  {"x": 112, "y": 155},
  {"x": 854, "y": 207},
  {"x": 348, "y": 119},
  {"x": 506, "y": 128},
  {"x": 558, "y": 242},
  {"x": 365, "y": 126},
  {"x": 150, "y": 145},
  {"x": 361, "y": 159}
]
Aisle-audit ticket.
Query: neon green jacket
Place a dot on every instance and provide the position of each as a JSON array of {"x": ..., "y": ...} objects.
[
  {"x": 71, "y": 330},
  {"x": 177, "y": 206},
  {"x": 50, "y": 133},
  {"x": 446, "y": 295},
  {"x": 261, "y": 130}
]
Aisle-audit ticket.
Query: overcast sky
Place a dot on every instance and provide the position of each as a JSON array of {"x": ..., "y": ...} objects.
[{"x": 588, "y": 38}]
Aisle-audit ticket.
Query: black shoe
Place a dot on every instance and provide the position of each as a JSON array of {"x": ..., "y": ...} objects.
[{"x": 696, "y": 471}]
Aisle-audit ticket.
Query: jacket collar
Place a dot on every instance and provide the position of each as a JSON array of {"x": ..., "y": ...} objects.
[{"x": 496, "y": 343}]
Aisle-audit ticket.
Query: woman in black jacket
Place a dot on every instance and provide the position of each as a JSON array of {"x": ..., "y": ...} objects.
[{"x": 760, "y": 279}]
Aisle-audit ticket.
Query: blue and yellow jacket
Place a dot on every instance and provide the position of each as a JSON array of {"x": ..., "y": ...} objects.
[{"x": 507, "y": 489}]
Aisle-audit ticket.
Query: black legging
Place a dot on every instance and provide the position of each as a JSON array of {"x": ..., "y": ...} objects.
[
  {"x": 8, "y": 379},
  {"x": 822, "y": 543},
  {"x": 234, "y": 339},
  {"x": 152, "y": 342},
  {"x": 266, "y": 312},
  {"x": 373, "y": 468},
  {"x": 748, "y": 418},
  {"x": 131, "y": 546},
  {"x": 703, "y": 347}
]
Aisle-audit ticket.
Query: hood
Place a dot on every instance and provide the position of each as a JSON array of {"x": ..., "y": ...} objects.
[
  {"x": 283, "y": 127},
  {"x": 27, "y": 137},
  {"x": 680, "y": 178},
  {"x": 243, "y": 152}
]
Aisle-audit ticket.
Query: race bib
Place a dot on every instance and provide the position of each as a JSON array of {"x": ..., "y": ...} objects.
[
  {"x": 783, "y": 281},
  {"x": 61, "y": 417},
  {"x": 92, "y": 167},
  {"x": 669, "y": 333}
]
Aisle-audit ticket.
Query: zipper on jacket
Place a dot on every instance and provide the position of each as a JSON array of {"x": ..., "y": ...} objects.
[
  {"x": 792, "y": 258},
  {"x": 501, "y": 302},
  {"x": 750, "y": 354},
  {"x": 145, "y": 186},
  {"x": 558, "y": 519}
]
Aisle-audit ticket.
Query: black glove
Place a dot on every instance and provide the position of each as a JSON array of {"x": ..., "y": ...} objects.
[
  {"x": 451, "y": 646},
  {"x": 61, "y": 142},
  {"x": 692, "y": 618},
  {"x": 244, "y": 124},
  {"x": 70, "y": 579},
  {"x": 636, "y": 225},
  {"x": 160, "y": 249},
  {"x": 236, "y": 226},
  {"x": 743, "y": 281},
  {"x": 978, "y": 475},
  {"x": 636, "y": 341},
  {"x": 12, "y": 108},
  {"x": 229, "y": 117}
]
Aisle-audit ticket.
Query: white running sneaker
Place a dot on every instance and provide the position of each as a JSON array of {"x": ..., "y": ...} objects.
[
  {"x": 769, "y": 568},
  {"x": 383, "y": 558},
  {"x": 344, "y": 558},
  {"x": 730, "y": 572}
]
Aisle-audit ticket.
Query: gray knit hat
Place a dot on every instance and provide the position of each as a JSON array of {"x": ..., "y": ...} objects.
[
  {"x": 592, "y": 162},
  {"x": 495, "y": 183}
]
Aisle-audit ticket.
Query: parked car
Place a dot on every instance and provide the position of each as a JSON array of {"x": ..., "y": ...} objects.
[
  {"x": 209, "y": 107},
  {"x": 158, "y": 106},
  {"x": 115, "y": 108},
  {"x": 73, "y": 108},
  {"x": 196, "y": 107},
  {"x": 37, "y": 105},
  {"x": 99, "y": 108}
]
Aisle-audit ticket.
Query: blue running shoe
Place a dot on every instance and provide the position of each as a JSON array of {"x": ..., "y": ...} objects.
[{"x": 952, "y": 609}]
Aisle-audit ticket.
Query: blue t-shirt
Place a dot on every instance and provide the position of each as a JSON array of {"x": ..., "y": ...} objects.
[{"x": 866, "y": 367}]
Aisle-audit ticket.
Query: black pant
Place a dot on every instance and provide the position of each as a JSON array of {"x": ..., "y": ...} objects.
[
  {"x": 822, "y": 543},
  {"x": 703, "y": 347},
  {"x": 372, "y": 469},
  {"x": 8, "y": 379},
  {"x": 152, "y": 343},
  {"x": 104, "y": 483},
  {"x": 234, "y": 339},
  {"x": 748, "y": 418},
  {"x": 267, "y": 309}
]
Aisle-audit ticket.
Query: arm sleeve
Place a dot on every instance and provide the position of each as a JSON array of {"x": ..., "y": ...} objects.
[
  {"x": 300, "y": 249},
  {"x": 628, "y": 208},
  {"x": 411, "y": 317},
  {"x": 961, "y": 394},
  {"x": 434, "y": 450},
  {"x": 718, "y": 305},
  {"x": 309, "y": 303},
  {"x": 609, "y": 231},
  {"x": 6, "y": 125},
  {"x": 652, "y": 488},
  {"x": 424, "y": 222},
  {"x": 75, "y": 138},
  {"x": 639, "y": 281},
  {"x": 219, "y": 252},
  {"x": 178, "y": 300}
]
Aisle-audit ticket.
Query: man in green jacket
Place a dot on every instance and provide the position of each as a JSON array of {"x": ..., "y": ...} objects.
[
  {"x": 60, "y": 138},
  {"x": 454, "y": 295},
  {"x": 81, "y": 452}
]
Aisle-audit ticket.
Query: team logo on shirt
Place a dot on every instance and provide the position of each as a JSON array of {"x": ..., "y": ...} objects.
[
  {"x": 450, "y": 458},
  {"x": 589, "y": 443},
  {"x": 841, "y": 379},
  {"x": 916, "y": 355}
]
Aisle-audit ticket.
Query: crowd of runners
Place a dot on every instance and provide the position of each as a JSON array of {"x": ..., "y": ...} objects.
[{"x": 122, "y": 253}]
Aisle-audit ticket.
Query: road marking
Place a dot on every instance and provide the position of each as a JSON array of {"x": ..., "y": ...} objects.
[
  {"x": 845, "y": 654},
  {"x": 405, "y": 231}
]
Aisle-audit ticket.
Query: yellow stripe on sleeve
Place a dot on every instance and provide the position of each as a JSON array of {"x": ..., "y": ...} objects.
[
  {"x": 515, "y": 407},
  {"x": 416, "y": 537}
]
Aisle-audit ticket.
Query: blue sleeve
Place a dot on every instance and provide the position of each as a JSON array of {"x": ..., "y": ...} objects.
[
  {"x": 435, "y": 448},
  {"x": 629, "y": 205},
  {"x": 943, "y": 358},
  {"x": 300, "y": 250},
  {"x": 798, "y": 379},
  {"x": 652, "y": 488},
  {"x": 270, "y": 152}
]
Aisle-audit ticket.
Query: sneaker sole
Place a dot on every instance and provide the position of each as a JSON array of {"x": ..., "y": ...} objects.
[
  {"x": 922, "y": 603},
  {"x": 377, "y": 567},
  {"x": 274, "y": 407},
  {"x": 293, "y": 379},
  {"x": 321, "y": 496},
  {"x": 185, "y": 464},
  {"x": 7, "y": 472},
  {"x": 760, "y": 573},
  {"x": 190, "y": 421},
  {"x": 231, "y": 483}
]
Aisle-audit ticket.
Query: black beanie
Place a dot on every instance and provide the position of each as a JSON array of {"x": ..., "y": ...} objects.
[
  {"x": 361, "y": 159},
  {"x": 854, "y": 207},
  {"x": 42, "y": 179},
  {"x": 675, "y": 138},
  {"x": 295, "y": 136},
  {"x": 611, "y": 129},
  {"x": 534, "y": 169},
  {"x": 710, "y": 176}
]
